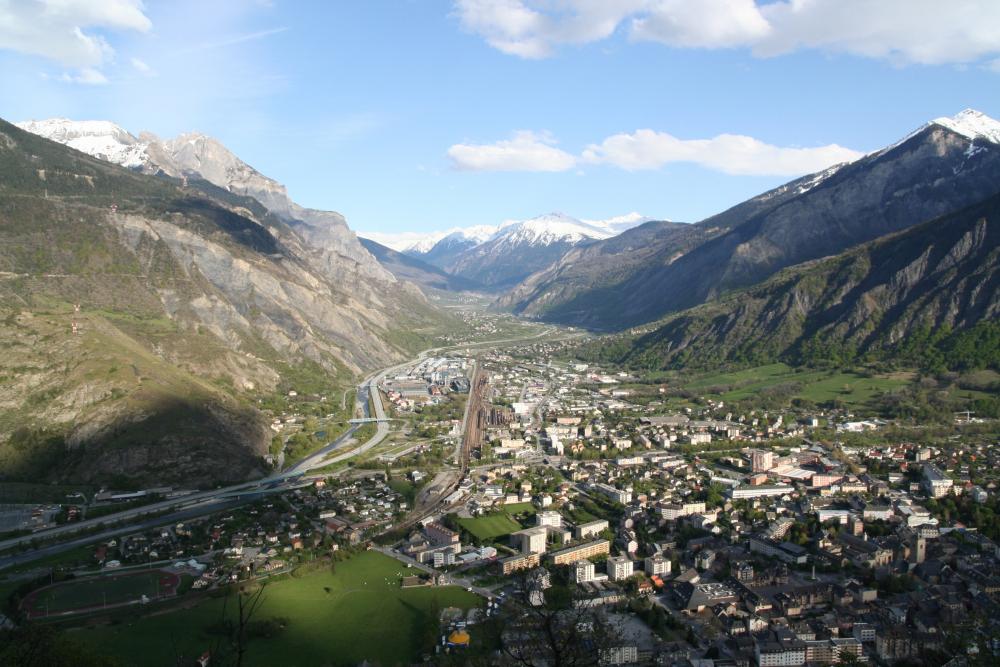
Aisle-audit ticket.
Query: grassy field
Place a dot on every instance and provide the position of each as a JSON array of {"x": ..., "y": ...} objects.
[
  {"x": 357, "y": 612},
  {"x": 97, "y": 591},
  {"x": 818, "y": 386},
  {"x": 519, "y": 508},
  {"x": 490, "y": 526},
  {"x": 496, "y": 525}
]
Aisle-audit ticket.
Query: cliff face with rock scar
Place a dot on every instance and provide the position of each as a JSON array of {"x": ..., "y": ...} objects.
[
  {"x": 941, "y": 275},
  {"x": 141, "y": 317}
]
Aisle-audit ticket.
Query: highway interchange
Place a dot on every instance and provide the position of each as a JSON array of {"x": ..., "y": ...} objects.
[{"x": 50, "y": 541}]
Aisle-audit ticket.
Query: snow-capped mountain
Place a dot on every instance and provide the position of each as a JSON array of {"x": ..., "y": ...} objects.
[
  {"x": 518, "y": 248},
  {"x": 479, "y": 252},
  {"x": 100, "y": 138},
  {"x": 198, "y": 156},
  {"x": 943, "y": 167},
  {"x": 972, "y": 124},
  {"x": 621, "y": 223},
  {"x": 548, "y": 229}
]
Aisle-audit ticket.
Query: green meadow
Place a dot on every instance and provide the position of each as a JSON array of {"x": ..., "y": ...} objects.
[{"x": 356, "y": 612}]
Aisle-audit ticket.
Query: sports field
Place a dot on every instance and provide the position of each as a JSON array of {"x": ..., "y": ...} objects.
[
  {"x": 357, "y": 612},
  {"x": 100, "y": 591},
  {"x": 489, "y": 526}
]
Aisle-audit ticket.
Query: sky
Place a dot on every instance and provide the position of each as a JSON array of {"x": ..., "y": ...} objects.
[{"x": 409, "y": 116}]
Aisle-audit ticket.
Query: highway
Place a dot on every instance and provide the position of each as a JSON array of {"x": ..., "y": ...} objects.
[{"x": 206, "y": 502}]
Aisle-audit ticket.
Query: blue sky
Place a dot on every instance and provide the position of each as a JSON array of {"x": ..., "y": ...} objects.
[{"x": 425, "y": 115}]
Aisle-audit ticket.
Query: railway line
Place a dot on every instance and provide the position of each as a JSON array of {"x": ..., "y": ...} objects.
[{"x": 473, "y": 432}]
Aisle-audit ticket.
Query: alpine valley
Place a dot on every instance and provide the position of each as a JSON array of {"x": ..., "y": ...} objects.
[
  {"x": 199, "y": 289},
  {"x": 196, "y": 291}
]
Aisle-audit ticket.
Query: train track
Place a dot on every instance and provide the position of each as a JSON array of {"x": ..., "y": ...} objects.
[{"x": 473, "y": 432}]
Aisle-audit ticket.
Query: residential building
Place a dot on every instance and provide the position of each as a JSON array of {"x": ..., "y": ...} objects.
[
  {"x": 531, "y": 540},
  {"x": 761, "y": 460},
  {"x": 936, "y": 483},
  {"x": 657, "y": 564},
  {"x": 583, "y": 571},
  {"x": 549, "y": 518},
  {"x": 519, "y": 562},
  {"x": 619, "y": 568},
  {"x": 587, "y": 550},
  {"x": 590, "y": 529}
]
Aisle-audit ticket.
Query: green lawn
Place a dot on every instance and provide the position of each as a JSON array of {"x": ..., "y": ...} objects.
[
  {"x": 490, "y": 526},
  {"x": 818, "y": 386},
  {"x": 358, "y": 612},
  {"x": 519, "y": 508},
  {"x": 95, "y": 591}
]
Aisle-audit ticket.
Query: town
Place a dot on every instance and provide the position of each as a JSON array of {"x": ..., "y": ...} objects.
[{"x": 696, "y": 530}]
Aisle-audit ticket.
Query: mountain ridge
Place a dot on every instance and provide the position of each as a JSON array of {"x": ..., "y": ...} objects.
[
  {"x": 941, "y": 275},
  {"x": 929, "y": 173}
]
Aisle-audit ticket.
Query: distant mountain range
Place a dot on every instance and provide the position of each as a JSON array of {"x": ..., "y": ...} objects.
[
  {"x": 499, "y": 257},
  {"x": 142, "y": 318},
  {"x": 418, "y": 272},
  {"x": 657, "y": 269}
]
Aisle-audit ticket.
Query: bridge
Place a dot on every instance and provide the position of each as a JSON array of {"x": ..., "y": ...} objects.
[{"x": 370, "y": 420}]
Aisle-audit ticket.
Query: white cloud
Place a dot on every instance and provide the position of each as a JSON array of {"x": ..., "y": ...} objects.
[
  {"x": 526, "y": 151},
  {"x": 904, "y": 31},
  {"x": 727, "y": 153},
  {"x": 702, "y": 24},
  {"x": 142, "y": 67},
  {"x": 87, "y": 76},
  {"x": 519, "y": 28},
  {"x": 62, "y": 30},
  {"x": 648, "y": 149},
  {"x": 901, "y": 31}
]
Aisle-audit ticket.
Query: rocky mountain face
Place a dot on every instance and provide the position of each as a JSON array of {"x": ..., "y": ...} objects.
[
  {"x": 142, "y": 318},
  {"x": 198, "y": 157},
  {"x": 416, "y": 271},
  {"x": 942, "y": 275},
  {"x": 942, "y": 167}
]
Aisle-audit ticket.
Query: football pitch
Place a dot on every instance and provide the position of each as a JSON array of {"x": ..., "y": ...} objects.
[{"x": 101, "y": 591}]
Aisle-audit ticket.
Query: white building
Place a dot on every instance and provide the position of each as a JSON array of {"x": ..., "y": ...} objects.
[
  {"x": 590, "y": 529},
  {"x": 622, "y": 496},
  {"x": 619, "y": 568},
  {"x": 657, "y": 564},
  {"x": 549, "y": 518},
  {"x": 936, "y": 483},
  {"x": 760, "y": 491},
  {"x": 531, "y": 540},
  {"x": 583, "y": 571}
]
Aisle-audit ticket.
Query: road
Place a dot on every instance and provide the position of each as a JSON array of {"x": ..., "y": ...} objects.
[
  {"x": 199, "y": 503},
  {"x": 467, "y": 584}
]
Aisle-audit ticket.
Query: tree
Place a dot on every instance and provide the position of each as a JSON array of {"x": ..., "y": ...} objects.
[
  {"x": 561, "y": 632},
  {"x": 243, "y": 604},
  {"x": 44, "y": 646}
]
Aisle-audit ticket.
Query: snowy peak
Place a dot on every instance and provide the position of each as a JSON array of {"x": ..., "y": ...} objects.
[
  {"x": 972, "y": 124},
  {"x": 476, "y": 234},
  {"x": 541, "y": 230},
  {"x": 190, "y": 154},
  {"x": 547, "y": 229},
  {"x": 468, "y": 236},
  {"x": 99, "y": 138},
  {"x": 621, "y": 223}
]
